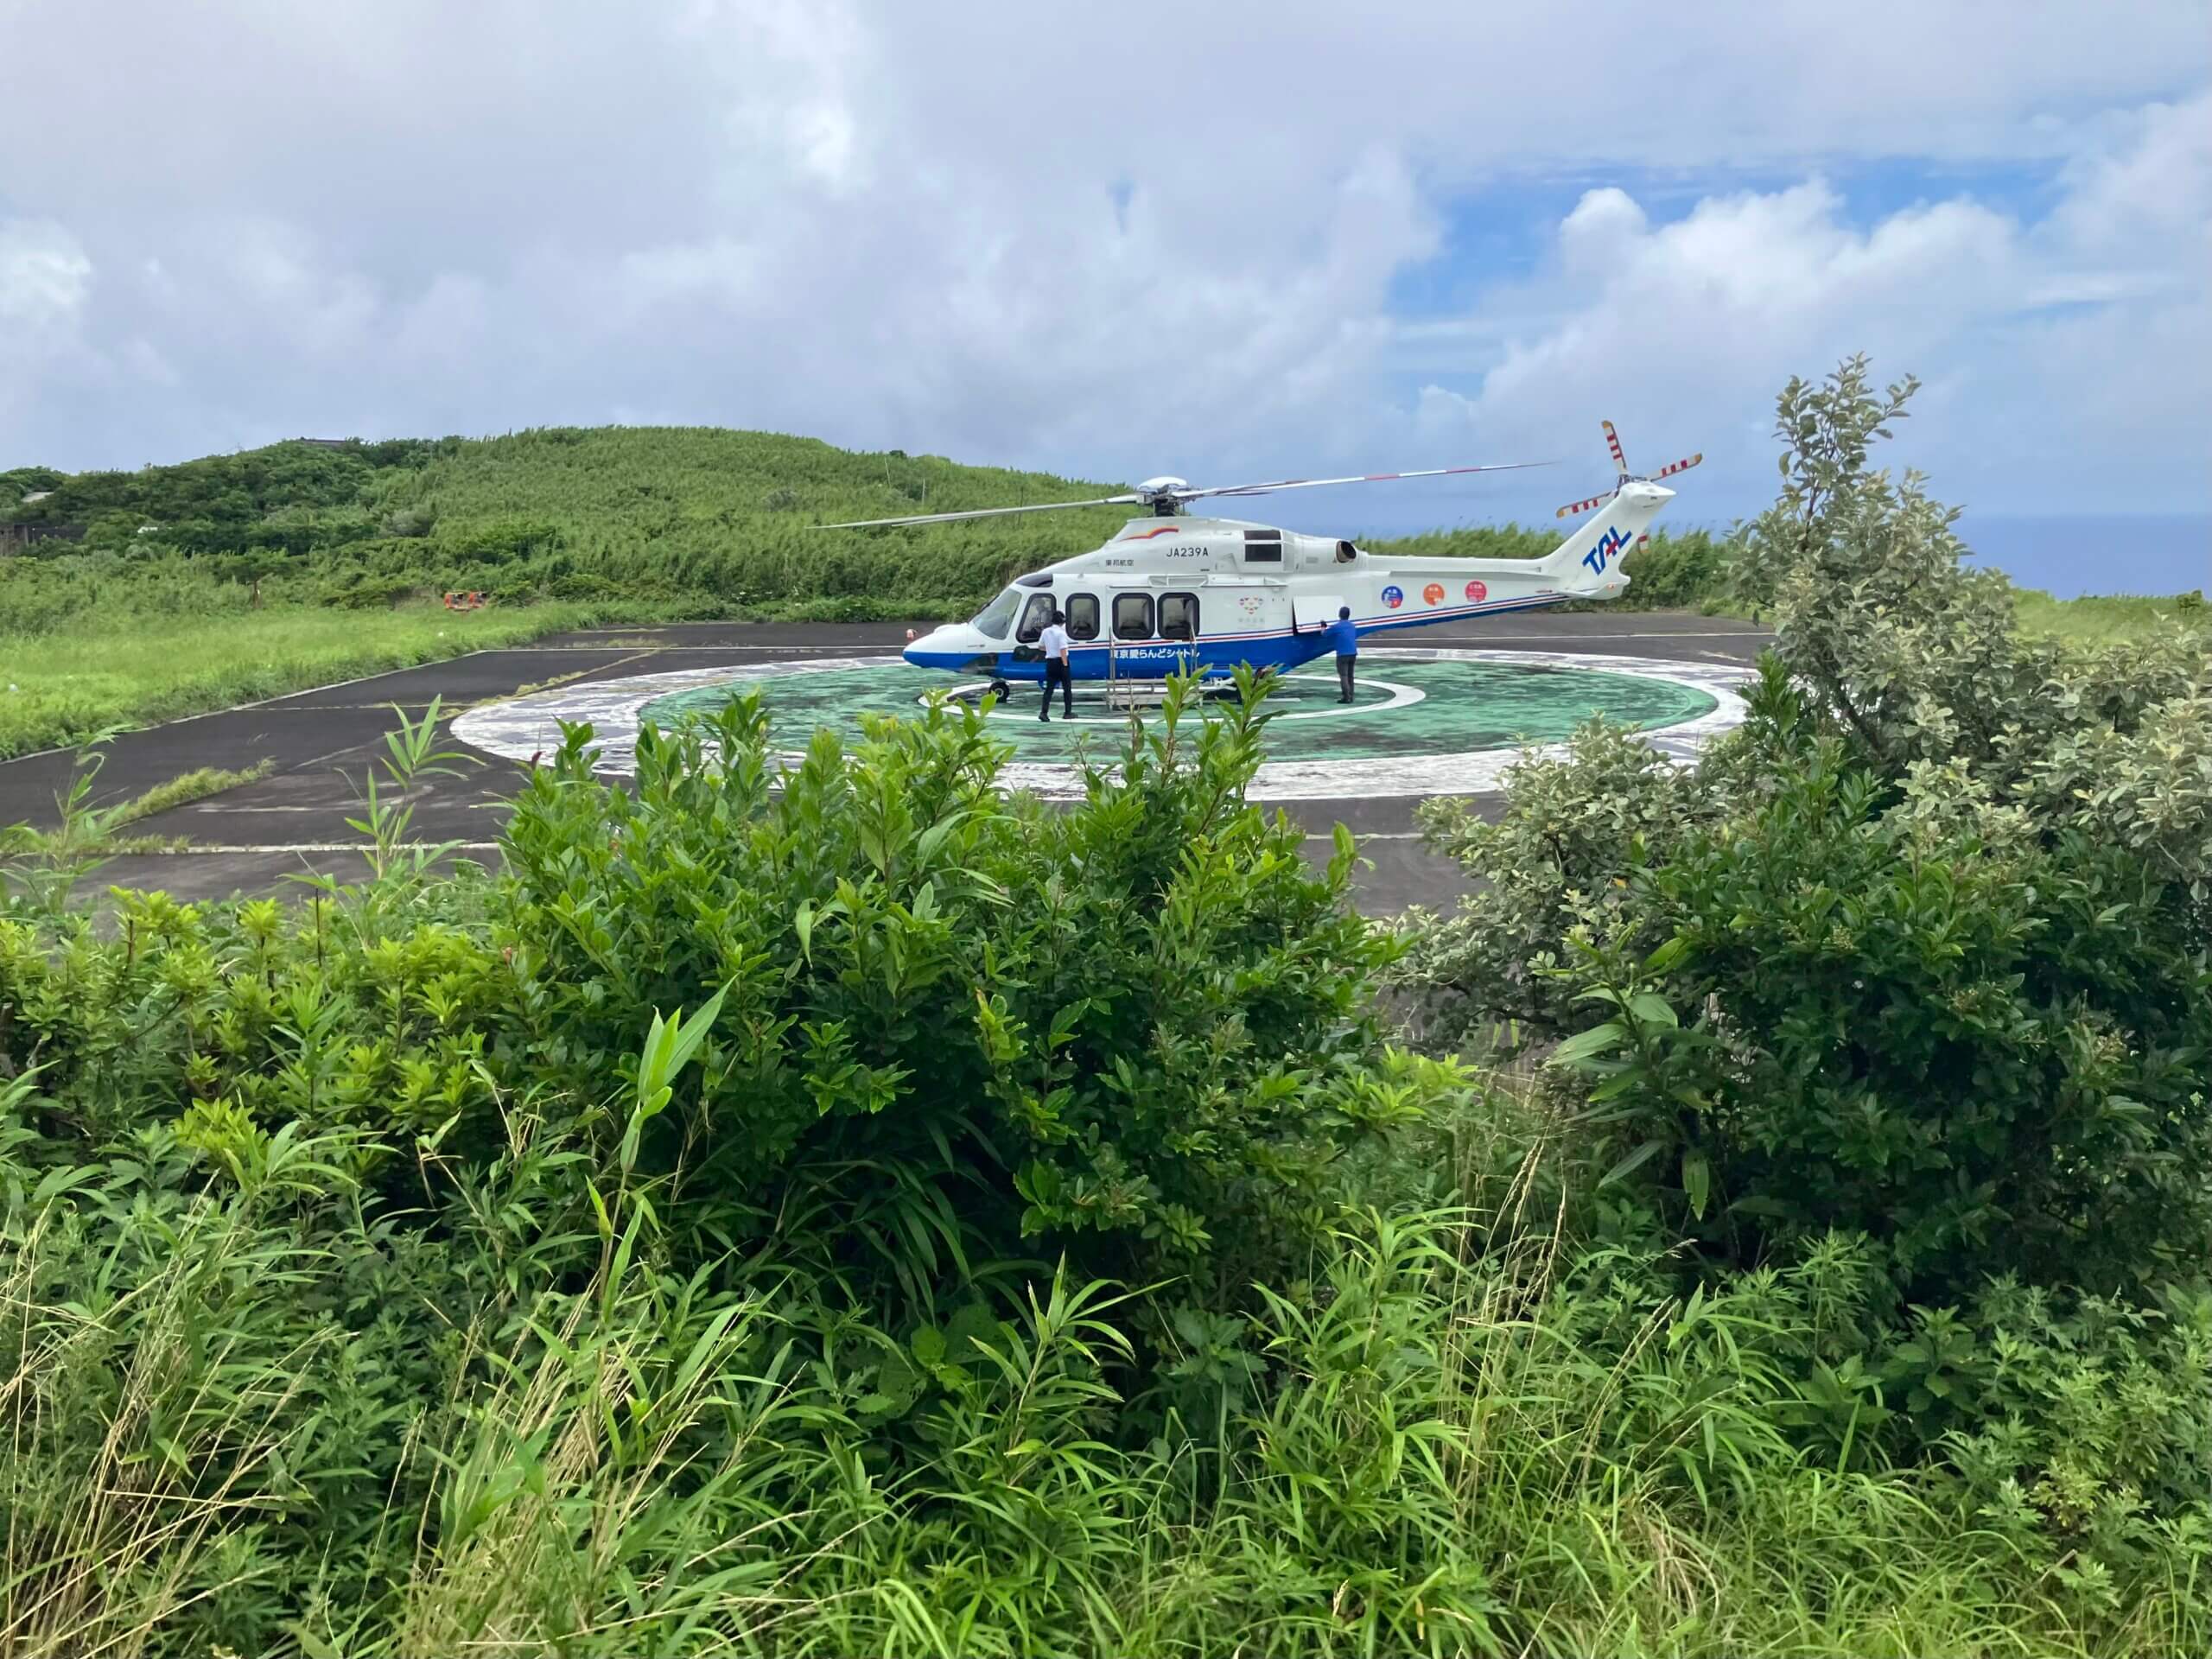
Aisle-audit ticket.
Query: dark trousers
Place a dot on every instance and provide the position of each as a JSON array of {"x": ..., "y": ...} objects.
[
  {"x": 1343, "y": 674},
  {"x": 1055, "y": 673}
]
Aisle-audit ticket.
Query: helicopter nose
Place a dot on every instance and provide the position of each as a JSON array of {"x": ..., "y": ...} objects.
[{"x": 930, "y": 649}]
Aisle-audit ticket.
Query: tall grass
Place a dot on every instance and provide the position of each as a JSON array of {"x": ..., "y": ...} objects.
[
  {"x": 1465, "y": 1433},
  {"x": 372, "y": 1284},
  {"x": 67, "y": 686},
  {"x": 2105, "y": 619}
]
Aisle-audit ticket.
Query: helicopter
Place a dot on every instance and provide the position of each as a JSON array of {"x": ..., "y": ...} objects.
[{"x": 1171, "y": 594}]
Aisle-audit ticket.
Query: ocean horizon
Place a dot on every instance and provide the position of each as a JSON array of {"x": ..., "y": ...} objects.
[
  {"x": 2071, "y": 555},
  {"x": 2065, "y": 555}
]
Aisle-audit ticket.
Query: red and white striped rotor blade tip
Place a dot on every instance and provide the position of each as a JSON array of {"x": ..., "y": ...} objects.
[
  {"x": 1613, "y": 443},
  {"x": 1679, "y": 466},
  {"x": 1574, "y": 507}
]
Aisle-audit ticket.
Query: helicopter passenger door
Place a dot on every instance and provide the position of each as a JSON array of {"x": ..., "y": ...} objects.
[
  {"x": 1248, "y": 617},
  {"x": 1311, "y": 613}
]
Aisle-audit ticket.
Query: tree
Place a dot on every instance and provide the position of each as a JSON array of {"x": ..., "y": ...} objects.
[{"x": 1921, "y": 952}]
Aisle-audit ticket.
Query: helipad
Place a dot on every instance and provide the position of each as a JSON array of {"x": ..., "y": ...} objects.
[
  {"x": 1445, "y": 720},
  {"x": 1366, "y": 769}
]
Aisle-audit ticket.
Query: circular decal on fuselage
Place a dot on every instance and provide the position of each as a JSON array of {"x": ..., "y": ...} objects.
[
  {"x": 1433, "y": 593},
  {"x": 1477, "y": 592},
  {"x": 1394, "y": 596}
]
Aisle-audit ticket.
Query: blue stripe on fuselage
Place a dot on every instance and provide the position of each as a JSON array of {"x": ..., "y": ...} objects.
[{"x": 1283, "y": 650}]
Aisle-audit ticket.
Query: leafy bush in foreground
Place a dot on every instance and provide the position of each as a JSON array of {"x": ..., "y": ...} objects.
[
  {"x": 871, "y": 1216},
  {"x": 1923, "y": 951},
  {"x": 1988, "y": 1053},
  {"x": 1906, "y": 985},
  {"x": 282, "y": 1415},
  {"x": 1114, "y": 1029},
  {"x": 1128, "y": 1023}
]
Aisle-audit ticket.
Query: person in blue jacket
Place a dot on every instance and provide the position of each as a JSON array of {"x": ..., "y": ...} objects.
[{"x": 1345, "y": 639}]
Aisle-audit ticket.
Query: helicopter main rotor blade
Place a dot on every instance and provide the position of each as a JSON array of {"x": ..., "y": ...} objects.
[
  {"x": 1368, "y": 478},
  {"x": 1178, "y": 495},
  {"x": 984, "y": 513}
]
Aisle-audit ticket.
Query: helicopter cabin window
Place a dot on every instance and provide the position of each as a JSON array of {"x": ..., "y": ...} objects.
[
  {"x": 1035, "y": 618},
  {"x": 991, "y": 624},
  {"x": 1178, "y": 616},
  {"x": 1263, "y": 547},
  {"x": 1083, "y": 616},
  {"x": 1133, "y": 616}
]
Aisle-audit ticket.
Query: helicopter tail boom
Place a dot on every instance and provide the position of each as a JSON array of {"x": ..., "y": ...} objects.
[{"x": 1586, "y": 563}]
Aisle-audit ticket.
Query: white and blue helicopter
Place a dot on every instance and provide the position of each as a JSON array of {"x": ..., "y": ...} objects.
[{"x": 1173, "y": 593}]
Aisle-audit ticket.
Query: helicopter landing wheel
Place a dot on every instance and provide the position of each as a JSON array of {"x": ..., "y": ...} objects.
[{"x": 1000, "y": 690}]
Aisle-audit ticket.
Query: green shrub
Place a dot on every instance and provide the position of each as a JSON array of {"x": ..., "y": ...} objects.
[
  {"x": 1920, "y": 952},
  {"x": 1557, "y": 857},
  {"x": 285, "y": 1413},
  {"x": 2080, "y": 1422},
  {"x": 418, "y": 519},
  {"x": 1141, "y": 1031},
  {"x": 1913, "y": 659},
  {"x": 823, "y": 1206},
  {"x": 1987, "y": 1052},
  {"x": 1128, "y": 1024},
  {"x": 503, "y": 540}
]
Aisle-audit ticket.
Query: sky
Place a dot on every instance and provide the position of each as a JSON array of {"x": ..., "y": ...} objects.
[{"x": 1225, "y": 240}]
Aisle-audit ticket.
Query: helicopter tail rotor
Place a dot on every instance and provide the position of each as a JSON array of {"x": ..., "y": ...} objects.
[
  {"x": 1624, "y": 476},
  {"x": 1613, "y": 443}
]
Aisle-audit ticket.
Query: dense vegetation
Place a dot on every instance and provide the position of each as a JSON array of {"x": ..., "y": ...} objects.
[
  {"x": 246, "y": 575},
  {"x": 705, "y": 519},
  {"x": 875, "y": 1215},
  {"x": 686, "y": 520}
]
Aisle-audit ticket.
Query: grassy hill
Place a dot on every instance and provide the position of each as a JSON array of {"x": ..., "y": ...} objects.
[
  {"x": 687, "y": 520},
  {"x": 177, "y": 588},
  {"x": 183, "y": 587},
  {"x": 703, "y": 517}
]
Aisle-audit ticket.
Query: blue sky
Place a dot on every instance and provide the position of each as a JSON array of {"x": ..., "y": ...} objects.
[
  {"x": 2158, "y": 541},
  {"x": 1230, "y": 241}
]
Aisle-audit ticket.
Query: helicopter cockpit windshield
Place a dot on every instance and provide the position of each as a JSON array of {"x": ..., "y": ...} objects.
[{"x": 998, "y": 615}]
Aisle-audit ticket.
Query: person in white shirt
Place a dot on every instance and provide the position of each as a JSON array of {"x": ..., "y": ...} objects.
[{"x": 1054, "y": 640}]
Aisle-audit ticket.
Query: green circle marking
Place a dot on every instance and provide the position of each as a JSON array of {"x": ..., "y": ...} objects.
[{"x": 1404, "y": 708}]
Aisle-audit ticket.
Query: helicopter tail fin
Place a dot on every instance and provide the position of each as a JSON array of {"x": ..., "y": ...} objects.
[{"x": 1589, "y": 561}]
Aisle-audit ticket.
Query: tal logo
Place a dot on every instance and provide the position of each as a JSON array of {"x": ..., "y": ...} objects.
[{"x": 1602, "y": 555}]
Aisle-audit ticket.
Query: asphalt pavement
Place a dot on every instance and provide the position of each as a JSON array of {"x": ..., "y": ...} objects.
[{"x": 321, "y": 743}]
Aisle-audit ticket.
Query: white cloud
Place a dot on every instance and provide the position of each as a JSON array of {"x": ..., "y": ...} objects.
[
  {"x": 45, "y": 284},
  {"x": 45, "y": 281},
  {"x": 1171, "y": 240},
  {"x": 1684, "y": 329}
]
